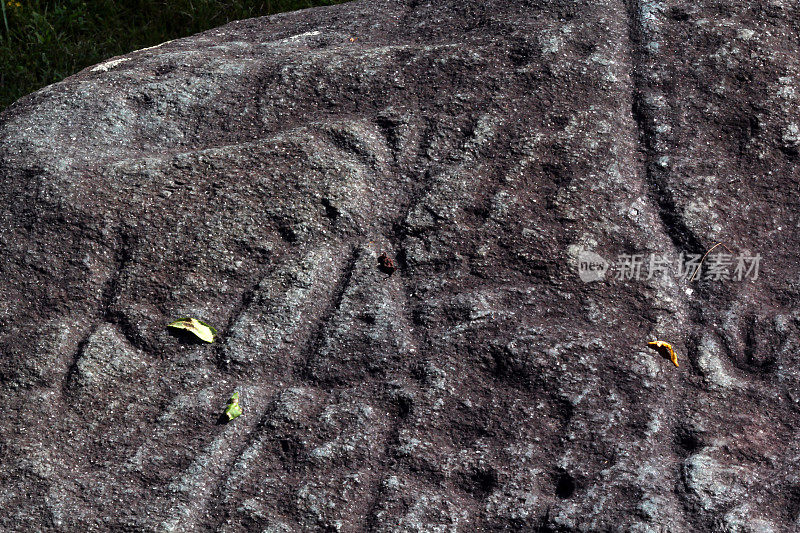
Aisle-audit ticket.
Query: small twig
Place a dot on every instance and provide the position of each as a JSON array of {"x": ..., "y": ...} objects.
[{"x": 696, "y": 270}]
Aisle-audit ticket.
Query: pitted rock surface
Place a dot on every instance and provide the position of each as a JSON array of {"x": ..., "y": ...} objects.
[{"x": 250, "y": 176}]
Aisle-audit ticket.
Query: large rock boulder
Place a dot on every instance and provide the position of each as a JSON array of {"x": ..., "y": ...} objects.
[{"x": 250, "y": 176}]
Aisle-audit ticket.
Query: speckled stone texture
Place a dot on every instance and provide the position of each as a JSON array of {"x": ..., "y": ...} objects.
[{"x": 250, "y": 176}]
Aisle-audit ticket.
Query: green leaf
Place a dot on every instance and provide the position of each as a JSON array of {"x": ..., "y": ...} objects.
[
  {"x": 203, "y": 331},
  {"x": 233, "y": 409}
]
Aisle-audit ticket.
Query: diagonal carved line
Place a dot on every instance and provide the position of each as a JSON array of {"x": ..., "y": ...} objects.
[
  {"x": 392, "y": 435},
  {"x": 682, "y": 237},
  {"x": 122, "y": 257},
  {"x": 213, "y": 505},
  {"x": 317, "y": 339},
  {"x": 241, "y": 308},
  {"x": 69, "y": 377}
]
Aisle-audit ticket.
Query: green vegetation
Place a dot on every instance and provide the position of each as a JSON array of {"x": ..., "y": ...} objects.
[
  {"x": 42, "y": 42},
  {"x": 233, "y": 409}
]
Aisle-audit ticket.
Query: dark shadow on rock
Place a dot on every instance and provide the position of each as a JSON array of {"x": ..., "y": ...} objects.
[
  {"x": 185, "y": 337},
  {"x": 565, "y": 486}
]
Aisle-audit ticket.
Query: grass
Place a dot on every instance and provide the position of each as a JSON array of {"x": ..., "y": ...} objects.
[{"x": 42, "y": 42}]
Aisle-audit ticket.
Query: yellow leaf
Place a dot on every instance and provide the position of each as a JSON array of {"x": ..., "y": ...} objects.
[
  {"x": 203, "y": 331},
  {"x": 668, "y": 347}
]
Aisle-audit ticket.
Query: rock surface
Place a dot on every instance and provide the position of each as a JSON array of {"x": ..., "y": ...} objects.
[{"x": 250, "y": 176}]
